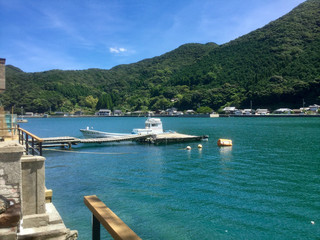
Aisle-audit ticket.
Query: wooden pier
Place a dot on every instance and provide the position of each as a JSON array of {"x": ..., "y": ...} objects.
[
  {"x": 172, "y": 138},
  {"x": 68, "y": 141},
  {"x": 159, "y": 138}
]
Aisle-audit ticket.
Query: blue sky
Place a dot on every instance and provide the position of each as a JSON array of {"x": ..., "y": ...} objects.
[{"x": 40, "y": 35}]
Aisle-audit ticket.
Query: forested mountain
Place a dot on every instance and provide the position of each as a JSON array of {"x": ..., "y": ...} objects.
[{"x": 277, "y": 65}]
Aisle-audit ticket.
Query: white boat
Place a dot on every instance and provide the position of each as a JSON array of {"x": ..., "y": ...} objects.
[
  {"x": 22, "y": 120},
  {"x": 152, "y": 126}
]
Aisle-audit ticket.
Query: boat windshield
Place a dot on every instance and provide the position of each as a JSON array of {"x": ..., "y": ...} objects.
[{"x": 151, "y": 125}]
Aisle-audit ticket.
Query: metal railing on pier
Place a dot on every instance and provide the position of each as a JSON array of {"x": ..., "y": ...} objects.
[
  {"x": 101, "y": 214},
  {"x": 31, "y": 143}
]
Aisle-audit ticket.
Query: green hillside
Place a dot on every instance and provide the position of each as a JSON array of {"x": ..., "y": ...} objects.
[{"x": 277, "y": 65}]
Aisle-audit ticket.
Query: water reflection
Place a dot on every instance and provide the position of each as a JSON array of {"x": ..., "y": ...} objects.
[
  {"x": 226, "y": 153},
  {"x": 200, "y": 152}
]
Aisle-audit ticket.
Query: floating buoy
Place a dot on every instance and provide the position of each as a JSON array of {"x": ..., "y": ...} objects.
[
  {"x": 199, "y": 146},
  {"x": 188, "y": 148},
  {"x": 224, "y": 142},
  {"x": 312, "y": 222}
]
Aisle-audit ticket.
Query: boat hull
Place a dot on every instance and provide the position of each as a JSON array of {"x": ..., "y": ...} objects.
[
  {"x": 98, "y": 134},
  {"x": 152, "y": 126}
]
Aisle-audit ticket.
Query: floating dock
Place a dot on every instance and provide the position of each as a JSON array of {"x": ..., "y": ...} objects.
[
  {"x": 157, "y": 139},
  {"x": 172, "y": 137}
]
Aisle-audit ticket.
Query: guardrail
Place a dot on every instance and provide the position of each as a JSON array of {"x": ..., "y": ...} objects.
[
  {"x": 110, "y": 221},
  {"x": 31, "y": 142}
]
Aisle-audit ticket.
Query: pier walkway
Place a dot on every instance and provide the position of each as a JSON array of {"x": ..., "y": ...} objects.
[
  {"x": 158, "y": 138},
  {"x": 68, "y": 141},
  {"x": 33, "y": 144}
]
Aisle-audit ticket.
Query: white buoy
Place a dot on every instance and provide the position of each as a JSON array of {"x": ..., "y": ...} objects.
[
  {"x": 199, "y": 146},
  {"x": 188, "y": 148},
  {"x": 312, "y": 222}
]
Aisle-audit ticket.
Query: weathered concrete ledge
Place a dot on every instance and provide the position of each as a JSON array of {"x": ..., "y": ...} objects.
[{"x": 53, "y": 229}]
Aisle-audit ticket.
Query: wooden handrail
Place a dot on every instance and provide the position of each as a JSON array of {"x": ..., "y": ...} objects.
[
  {"x": 109, "y": 220},
  {"x": 24, "y": 140},
  {"x": 31, "y": 135}
]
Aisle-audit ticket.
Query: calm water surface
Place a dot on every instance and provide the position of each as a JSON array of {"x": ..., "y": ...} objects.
[{"x": 266, "y": 186}]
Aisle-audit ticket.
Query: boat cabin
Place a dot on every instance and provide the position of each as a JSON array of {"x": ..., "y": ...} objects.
[{"x": 152, "y": 126}]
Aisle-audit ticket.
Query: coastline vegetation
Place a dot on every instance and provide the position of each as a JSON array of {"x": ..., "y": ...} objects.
[{"x": 274, "y": 66}]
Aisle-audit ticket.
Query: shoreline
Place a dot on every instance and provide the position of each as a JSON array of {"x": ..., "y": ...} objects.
[{"x": 181, "y": 116}]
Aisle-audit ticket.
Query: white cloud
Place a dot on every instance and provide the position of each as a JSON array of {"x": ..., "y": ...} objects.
[{"x": 117, "y": 50}]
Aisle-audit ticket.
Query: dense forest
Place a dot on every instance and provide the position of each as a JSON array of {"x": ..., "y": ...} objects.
[{"x": 274, "y": 66}]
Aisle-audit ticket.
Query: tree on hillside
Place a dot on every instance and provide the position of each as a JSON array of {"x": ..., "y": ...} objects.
[{"x": 105, "y": 102}]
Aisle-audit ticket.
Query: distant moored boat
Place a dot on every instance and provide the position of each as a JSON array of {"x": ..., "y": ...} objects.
[{"x": 152, "y": 126}]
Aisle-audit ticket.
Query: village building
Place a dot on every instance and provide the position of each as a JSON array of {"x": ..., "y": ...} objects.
[
  {"x": 171, "y": 111},
  {"x": 248, "y": 111},
  {"x": 229, "y": 110},
  {"x": 78, "y": 113},
  {"x": 297, "y": 111},
  {"x": 104, "y": 112},
  {"x": 118, "y": 113},
  {"x": 238, "y": 112},
  {"x": 314, "y": 108},
  {"x": 30, "y": 114},
  {"x": 262, "y": 111},
  {"x": 190, "y": 111}
]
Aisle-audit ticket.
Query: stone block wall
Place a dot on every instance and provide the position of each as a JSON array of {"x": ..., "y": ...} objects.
[{"x": 10, "y": 170}]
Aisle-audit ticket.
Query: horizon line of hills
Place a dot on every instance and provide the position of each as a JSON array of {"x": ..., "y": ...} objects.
[{"x": 274, "y": 66}]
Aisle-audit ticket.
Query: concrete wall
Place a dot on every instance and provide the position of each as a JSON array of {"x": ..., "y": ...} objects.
[{"x": 33, "y": 185}]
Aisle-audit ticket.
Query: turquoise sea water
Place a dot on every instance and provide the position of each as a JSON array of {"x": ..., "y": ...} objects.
[{"x": 266, "y": 186}]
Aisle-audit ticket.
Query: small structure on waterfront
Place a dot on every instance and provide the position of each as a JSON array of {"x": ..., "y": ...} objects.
[
  {"x": 118, "y": 113},
  {"x": 229, "y": 110},
  {"x": 190, "y": 111},
  {"x": 104, "y": 112},
  {"x": 283, "y": 111},
  {"x": 261, "y": 111},
  {"x": 78, "y": 113},
  {"x": 314, "y": 108}
]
